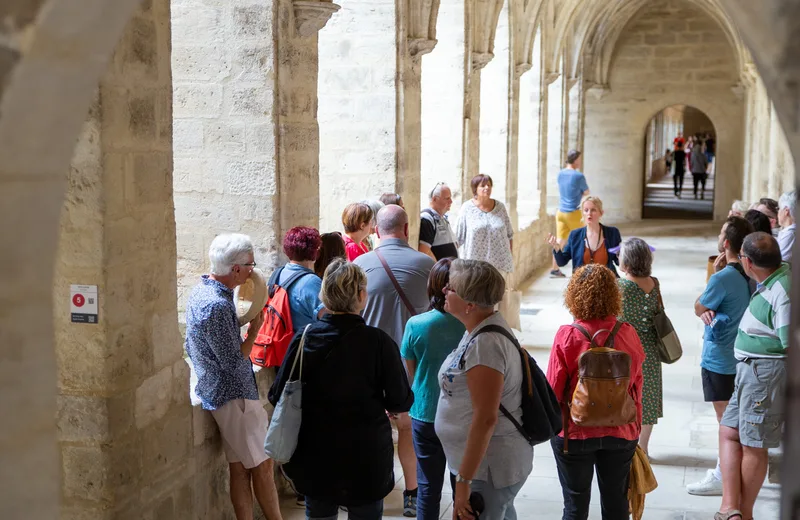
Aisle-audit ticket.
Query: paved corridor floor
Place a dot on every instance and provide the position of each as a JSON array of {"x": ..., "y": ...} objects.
[{"x": 684, "y": 443}]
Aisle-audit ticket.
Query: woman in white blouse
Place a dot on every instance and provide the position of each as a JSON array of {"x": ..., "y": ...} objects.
[{"x": 484, "y": 230}]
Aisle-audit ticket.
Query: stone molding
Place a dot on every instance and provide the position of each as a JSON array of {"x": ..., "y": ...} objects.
[
  {"x": 420, "y": 46},
  {"x": 522, "y": 68},
  {"x": 550, "y": 77},
  {"x": 311, "y": 15},
  {"x": 598, "y": 90},
  {"x": 481, "y": 59}
]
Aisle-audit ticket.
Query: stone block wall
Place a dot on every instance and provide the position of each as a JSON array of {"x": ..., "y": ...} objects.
[
  {"x": 224, "y": 88},
  {"x": 671, "y": 53},
  {"x": 131, "y": 445}
]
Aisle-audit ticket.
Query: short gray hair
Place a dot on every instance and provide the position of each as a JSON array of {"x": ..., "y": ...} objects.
[
  {"x": 788, "y": 200},
  {"x": 740, "y": 206},
  {"x": 478, "y": 282},
  {"x": 635, "y": 257},
  {"x": 375, "y": 206},
  {"x": 341, "y": 285},
  {"x": 228, "y": 250},
  {"x": 437, "y": 190}
]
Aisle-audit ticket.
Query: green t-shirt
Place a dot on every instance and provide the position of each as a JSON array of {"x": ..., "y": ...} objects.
[
  {"x": 428, "y": 339},
  {"x": 764, "y": 329}
]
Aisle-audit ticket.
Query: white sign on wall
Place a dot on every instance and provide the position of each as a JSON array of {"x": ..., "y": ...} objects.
[{"x": 83, "y": 303}]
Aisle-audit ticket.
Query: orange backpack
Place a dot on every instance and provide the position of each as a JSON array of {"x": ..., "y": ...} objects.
[{"x": 277, "y": 331}]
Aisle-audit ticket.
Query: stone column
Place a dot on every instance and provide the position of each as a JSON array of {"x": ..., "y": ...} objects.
[{"x": 297, "y": 133}]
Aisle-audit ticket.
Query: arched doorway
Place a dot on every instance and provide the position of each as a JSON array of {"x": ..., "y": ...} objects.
[{"x": 670, "y": 137}]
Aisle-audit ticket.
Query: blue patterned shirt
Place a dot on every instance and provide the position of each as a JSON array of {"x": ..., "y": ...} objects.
[{"x": 213, "y": 342}]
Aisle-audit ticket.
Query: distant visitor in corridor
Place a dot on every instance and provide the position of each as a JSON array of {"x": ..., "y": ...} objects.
[
  {"x": 699, "y": 166},
  {"x": 436, "y": 238},
  {"x": 226, "y": 384},
  {"x": 679, "y": 158},
  {"x": 591, "y": 244},
  {"x": 572, "y": 187}
]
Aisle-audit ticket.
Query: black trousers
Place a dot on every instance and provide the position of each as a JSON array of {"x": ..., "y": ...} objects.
[
  {"x": 699, "y": 178},
  {"x": 611, "y": 457},
  {"x": 677, "y": 180}
]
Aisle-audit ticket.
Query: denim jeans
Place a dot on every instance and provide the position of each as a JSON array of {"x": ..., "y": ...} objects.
[
  {"x": 612, "y": 458},
  {"x": 498, "y": 502},
  {"x": 324, "y": 510},
  {"x": 431, "y": 469}
]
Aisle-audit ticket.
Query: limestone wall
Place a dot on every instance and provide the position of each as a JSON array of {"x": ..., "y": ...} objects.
[
  {"x": 225, "y": 178},
  {"x": 671, "y": 53}
]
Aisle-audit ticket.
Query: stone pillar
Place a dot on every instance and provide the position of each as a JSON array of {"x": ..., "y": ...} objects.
[
  {"x": 131, "y": 444},
  {"x": 298, "y": 24}
]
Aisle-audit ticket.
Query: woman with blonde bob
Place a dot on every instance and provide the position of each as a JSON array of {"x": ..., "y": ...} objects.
[
  {"x": 593, "y": 298},
  {"x": 345, "y": 431},
  {"x": 484, "y": 450},
  {"x": 592, "y": 244}
]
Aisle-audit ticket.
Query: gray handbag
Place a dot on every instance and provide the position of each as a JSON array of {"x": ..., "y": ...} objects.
[
  {"x": 667, "y": 343},
  {"x": 284, "y": 429}
]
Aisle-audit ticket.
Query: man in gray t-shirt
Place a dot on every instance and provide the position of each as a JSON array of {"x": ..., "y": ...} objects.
[{"x": 386, "y": 310}]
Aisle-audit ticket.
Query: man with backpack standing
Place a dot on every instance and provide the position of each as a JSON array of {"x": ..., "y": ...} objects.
[
  {"x": 436, "y": 238},
  {"x": 226, "y": 384},
  {"x": 397, "y": 281}
]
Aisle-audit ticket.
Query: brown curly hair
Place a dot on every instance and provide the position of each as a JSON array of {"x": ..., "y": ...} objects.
[{"x": 593, "y": 293}]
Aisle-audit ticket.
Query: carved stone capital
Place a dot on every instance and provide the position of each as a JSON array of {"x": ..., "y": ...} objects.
[
  {"x": 311, "y": 15},
  {"x": 550, "y": 77},
  {"x": 420, "y": 46},
  {"x": 571, "y": 82},
  {"x": 739, "y": 89},
  {"x": 481, "y": 59},
  {"x": 598, "y": 91},
  {"x": 522, "y": 68}
]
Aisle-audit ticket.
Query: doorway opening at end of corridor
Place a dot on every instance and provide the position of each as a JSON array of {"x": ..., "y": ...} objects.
[{"x": 680, "y": 150}]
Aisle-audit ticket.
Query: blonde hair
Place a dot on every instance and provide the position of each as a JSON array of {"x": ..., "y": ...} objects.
[
  {"x": 341, "y": 285},
  {"x": 478, "y": 282},
  {"x": 594, "y": 200}
]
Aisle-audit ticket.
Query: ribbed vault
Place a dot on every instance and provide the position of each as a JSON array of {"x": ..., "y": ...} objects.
[{"x": 587, "y": 32}]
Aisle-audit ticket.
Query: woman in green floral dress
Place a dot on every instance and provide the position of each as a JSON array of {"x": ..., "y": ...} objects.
[{"x": 640, "y": 303}]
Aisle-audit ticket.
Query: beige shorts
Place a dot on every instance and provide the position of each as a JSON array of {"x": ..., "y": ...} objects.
[{"x": 243, "y": 425}]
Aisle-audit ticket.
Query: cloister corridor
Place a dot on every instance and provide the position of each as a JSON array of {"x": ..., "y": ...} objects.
[
  {"x": 133, "y": 132},
  {"x": 684, "y": 442}
]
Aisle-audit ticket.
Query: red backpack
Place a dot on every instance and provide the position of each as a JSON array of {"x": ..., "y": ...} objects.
[{"x": 276, "y": 332}]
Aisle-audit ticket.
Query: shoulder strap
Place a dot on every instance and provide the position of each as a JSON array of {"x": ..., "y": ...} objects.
[
  {"x": 583, "y": 331},
  {"x": 499, "y": 330},
  {"x": 397, "y": 287},
  {"x": 296, "y": 276},
  {"x": 658, "y": 288}
]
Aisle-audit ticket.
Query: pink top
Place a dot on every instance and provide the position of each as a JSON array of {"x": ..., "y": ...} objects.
[
  {"x": 568, "y": 345},
  {"x": 352, "y": 249}
]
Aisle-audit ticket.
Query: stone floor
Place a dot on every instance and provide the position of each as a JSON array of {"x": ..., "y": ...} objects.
[{"x": 684, "y": 443}]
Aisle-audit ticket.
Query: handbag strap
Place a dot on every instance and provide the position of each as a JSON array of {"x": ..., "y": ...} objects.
[
  {"x": 301, "y": 348},
  {"x": 396, "y": 284},
  {"x": 658, "y": 288}
]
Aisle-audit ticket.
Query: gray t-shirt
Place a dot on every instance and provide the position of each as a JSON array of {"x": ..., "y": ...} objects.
[
  {"x": 385, "y": 309},
  {"x": 509, "y": 457}
]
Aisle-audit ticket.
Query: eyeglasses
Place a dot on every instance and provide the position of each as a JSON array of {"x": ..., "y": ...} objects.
[
  {"x": 742, "y": 257},
  {"x": 434, "y": 189},
  {"x": 251, "y": 264}
]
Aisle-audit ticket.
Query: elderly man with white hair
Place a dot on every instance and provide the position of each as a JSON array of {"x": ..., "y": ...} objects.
[
  {"x": 786, "y": 220},
  {"x": 436, "y": 238},
  {"x": 226, "y": 384}
]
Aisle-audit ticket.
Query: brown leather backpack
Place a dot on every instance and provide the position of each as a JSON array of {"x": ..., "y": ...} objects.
[{"x": 601, "y": 397}]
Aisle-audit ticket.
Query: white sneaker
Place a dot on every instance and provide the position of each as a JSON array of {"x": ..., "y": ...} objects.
[{"x": 710, "y": 486}]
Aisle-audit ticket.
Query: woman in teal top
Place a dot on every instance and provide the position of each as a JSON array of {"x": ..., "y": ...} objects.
[{"x": 427, "y": 341}]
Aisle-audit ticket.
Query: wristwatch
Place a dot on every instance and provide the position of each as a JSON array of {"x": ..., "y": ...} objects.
[{"x": 460, "y": 478}]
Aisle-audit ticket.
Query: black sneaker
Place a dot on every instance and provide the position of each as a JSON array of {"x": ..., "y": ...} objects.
[
  {"x": 556, "y": 273},
  {"x": 409, "y": 505}
]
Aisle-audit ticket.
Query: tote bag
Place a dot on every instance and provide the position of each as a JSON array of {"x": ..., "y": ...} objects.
[
  {"x": 284, "y": 429},
  {"x": 667, "y": 343}
]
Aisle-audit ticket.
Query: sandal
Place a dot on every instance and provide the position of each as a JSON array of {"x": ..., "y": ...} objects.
[{"x": 730, "y": 515}]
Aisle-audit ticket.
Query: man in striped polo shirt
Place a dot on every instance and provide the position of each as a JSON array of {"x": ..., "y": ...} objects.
[{"x": 753, "y": 421}]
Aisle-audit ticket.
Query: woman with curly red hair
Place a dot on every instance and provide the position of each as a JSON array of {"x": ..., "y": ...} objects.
[
  {"x": 301, "y": 244},
  {"x": 594, "y": 300}
]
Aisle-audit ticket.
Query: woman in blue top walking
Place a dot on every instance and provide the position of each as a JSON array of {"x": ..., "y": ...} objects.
[
  {"x": 427, "y": 341},
  {"x": 591, "y": 244}
]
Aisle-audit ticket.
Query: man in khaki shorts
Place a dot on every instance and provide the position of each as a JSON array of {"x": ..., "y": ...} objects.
[
  {"x": 753, "y": 421},
  {"x": 226, "y": 384}
]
